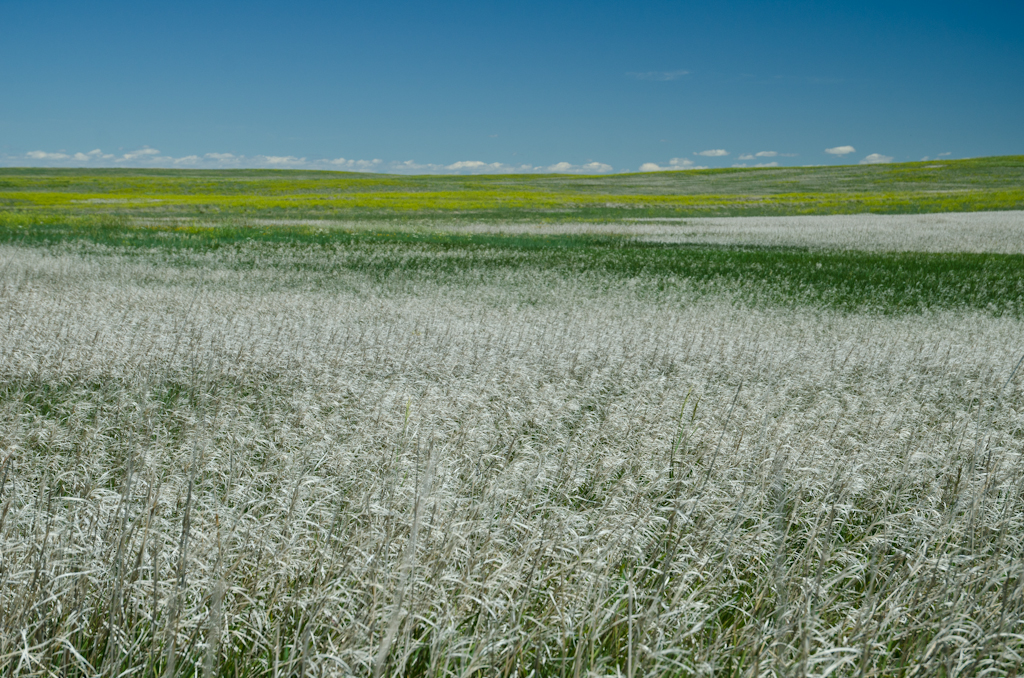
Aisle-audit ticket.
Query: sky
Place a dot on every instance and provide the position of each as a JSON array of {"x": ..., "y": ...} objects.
[{"x": 529, "y": 86}]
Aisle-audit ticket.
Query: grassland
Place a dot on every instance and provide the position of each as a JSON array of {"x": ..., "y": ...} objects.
[
  {"x": 877, "y": 281},
  {"x": 233, "y": 446},
  {"x": 939, "y": 186}
]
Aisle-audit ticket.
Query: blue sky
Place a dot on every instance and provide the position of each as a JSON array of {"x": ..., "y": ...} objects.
[{"x": 594, "y": 87}]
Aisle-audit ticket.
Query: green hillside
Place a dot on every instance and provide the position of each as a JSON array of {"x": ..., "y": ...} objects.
[{"x": 36, "y": 195}]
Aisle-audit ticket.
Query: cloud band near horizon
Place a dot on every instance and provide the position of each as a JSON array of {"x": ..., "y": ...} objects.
[
  {"x": 153, "y": 158},
  {"x": 147, "y": 157}
]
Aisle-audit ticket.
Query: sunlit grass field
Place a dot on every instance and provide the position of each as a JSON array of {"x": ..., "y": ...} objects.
[
  {"x": 936, "y": 186},
  {"x": 501, "y": 443}
]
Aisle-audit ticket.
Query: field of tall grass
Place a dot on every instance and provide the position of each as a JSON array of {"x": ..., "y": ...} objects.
[
  {"x": 999, "y": 232},
  {"x": 906, "y": 188},
  {"x": 290, "y": 451}
]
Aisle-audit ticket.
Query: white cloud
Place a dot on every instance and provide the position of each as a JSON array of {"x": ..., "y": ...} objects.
[
  {"x": 673, "y": 164},
  {"x": 355, "y": 165},
  {"x": 142, "y": 153},
  {"x": 279, "y": 160},
  {"x": 460, "y": 167},
  {"x": 43, "y": 155},
  {"x": 876, "y": 159},
  {"x": 760, "y": 164},
  {"x": 840, "y": 150},
  {"x": 481, "y": 167},
  {"x": 94, "y": 154},
  {"x": 411, "y": 166},
  {"x": 151, "y": 157},
  {"x": 766, "y": 154},
  {"x": 943, "y": 154},
  {"x": 713, "y": 153},
  {"x": 660, "y": 76},
  {"x": 472, "y": 165},
  {"x": 568, "y": 168}
]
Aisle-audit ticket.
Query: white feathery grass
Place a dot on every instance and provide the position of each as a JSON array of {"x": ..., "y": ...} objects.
[
  {"x": 997, "y": 232},
  {"x": 255, "y": 472}
]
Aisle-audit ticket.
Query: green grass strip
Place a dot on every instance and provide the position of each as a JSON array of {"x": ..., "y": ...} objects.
[{"x": 882, "y": 282}]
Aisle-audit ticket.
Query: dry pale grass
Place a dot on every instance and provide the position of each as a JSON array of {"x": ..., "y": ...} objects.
[
  {"x": 998, "y": 232},
  {"x": 214, "y": 471}
]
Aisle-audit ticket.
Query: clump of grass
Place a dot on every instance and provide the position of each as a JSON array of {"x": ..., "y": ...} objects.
[{"x": 214, "y": 461}]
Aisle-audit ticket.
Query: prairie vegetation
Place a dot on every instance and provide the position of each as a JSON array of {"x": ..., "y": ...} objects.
[
  {"x": 922, "y": 187},
  {"x": 288, "y": 424},
  {"x": 289, "y": 450},
  {"x": 976, "y": 232}
]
